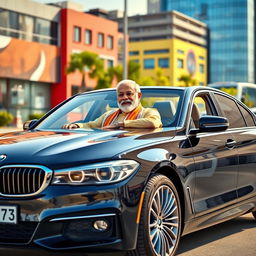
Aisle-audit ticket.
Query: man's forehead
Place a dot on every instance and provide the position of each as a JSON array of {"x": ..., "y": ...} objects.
[{"x": 126, "y": 87}]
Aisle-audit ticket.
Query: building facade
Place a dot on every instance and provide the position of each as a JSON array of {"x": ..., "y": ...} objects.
[
  {"x": 231, "y": 38},
  {"x": 36, "y": 41},
  {"x": 171, "y": 41}
]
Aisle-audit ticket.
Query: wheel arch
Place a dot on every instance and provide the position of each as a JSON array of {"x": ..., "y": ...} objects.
[{"x": 170, "y": 173}]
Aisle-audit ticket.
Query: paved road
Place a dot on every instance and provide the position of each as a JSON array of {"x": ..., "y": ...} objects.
[
  {"x": 236, "y": 237},
  {"x": 233, "y": 238}
]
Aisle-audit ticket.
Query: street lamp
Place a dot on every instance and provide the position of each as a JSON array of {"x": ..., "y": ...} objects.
[{"x": 124, "y": 42}]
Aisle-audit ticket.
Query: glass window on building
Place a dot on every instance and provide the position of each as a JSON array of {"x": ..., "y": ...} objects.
[
  {"x": 149, "y": 63},
  {"x": 133, "y": 53},
  {"x": 19, "y": 99},
  {"x": 110, "y": 63},
  {"x": 77, "y": 34},
  {"x": 4, "y": 21},
  {"x": 110, "y": 41},
  {"x": 201, "y": 68},
  {"x": 26, "y": 24},
  {"x": 88, "y": 36},
  {"x": 28, "y": 28},
  {"x": 180, "y": 63},
  {"x": 13, "y": 24},
  {"x": 40, "y": 97},
  {"x": 136, "y": 61},
  {"x": 156, "y": 51},
  {"x": 163, "y": 62},
  {"x": 3, "y": 94},
  {"x": 9, "y": 23},
  {"x": 100, "y": 40},
  {"x": 45, "y": 31},
  {"x": 28, "y": 98}
]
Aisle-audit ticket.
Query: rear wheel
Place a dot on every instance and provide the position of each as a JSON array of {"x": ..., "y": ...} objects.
[{"x": 160, "y": 224}]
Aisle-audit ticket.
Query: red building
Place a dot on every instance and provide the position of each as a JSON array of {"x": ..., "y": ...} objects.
[
  {"x": 83, "y": 32},
  {"x": 36, "y": 42}
]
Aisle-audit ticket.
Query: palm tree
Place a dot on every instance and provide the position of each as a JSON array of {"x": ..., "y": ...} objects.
[
  {"x": 85, "y": 62},
  {"x": 188, "y": 80}
]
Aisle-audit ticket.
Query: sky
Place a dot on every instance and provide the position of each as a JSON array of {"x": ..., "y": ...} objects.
[{"x": 133, "y": 6}]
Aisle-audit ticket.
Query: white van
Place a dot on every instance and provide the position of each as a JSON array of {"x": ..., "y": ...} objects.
[{"x": 245, "y": 92}]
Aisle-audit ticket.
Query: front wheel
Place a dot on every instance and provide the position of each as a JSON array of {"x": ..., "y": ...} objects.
[{"x": 160, "y": 224}]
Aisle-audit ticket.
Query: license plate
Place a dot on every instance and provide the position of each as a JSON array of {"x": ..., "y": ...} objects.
[{"x": 8, "y": 214}]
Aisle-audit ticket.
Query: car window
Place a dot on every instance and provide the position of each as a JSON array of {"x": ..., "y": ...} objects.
[
  {"x": 231, "y": 111},
  {"x": 200, "y": 107},
  {"x": 247, "y": 116},
  {"x": 249, "y": 97},
  {"x": 88, "y": 107}
]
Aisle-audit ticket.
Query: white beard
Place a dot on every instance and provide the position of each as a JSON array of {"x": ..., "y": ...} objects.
[{"x": 128, "y": 108}]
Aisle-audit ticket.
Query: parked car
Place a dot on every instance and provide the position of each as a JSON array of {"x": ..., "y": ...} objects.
[
  {"x": 245, "y": 92},
  {"x": 134, "y": 190}
]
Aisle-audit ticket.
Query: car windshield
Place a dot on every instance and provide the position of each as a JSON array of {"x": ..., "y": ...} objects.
[{"x": 89, "y": 106}]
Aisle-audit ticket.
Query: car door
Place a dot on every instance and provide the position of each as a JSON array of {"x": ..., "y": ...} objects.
[
  {"x": 244, "y": 133},
  {"x": 215, "y": 159}
]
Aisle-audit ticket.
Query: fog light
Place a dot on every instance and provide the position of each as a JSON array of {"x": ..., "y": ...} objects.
[{"x": 100, "y": 225}]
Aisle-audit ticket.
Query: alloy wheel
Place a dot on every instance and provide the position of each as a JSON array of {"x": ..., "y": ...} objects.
[{"x": 163, "y": 221}]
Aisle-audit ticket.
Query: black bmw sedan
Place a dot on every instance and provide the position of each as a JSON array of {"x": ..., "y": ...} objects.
[{"x": 128, "y": 190}]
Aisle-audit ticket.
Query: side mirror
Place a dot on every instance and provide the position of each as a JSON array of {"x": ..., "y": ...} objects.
[
  {"x": 213, "y": 124},
  {"x": 28, "y": 124}
]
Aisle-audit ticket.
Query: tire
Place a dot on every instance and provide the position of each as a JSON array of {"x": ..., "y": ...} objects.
[{"x": 160, "y": 217}]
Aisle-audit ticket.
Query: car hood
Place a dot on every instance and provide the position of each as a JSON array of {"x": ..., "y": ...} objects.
[{"x": 59, "y": 149}]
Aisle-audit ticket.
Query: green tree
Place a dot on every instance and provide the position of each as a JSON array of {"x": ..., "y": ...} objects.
[
  {"x": 133, "y": 70},
  {"x": 146, "y": 81},
  {"x": 116, "y": 72},
  {"x": 187, "y": 80},
  {"x": 160, "y": 78},
  {"x": 85, "y": 62}
]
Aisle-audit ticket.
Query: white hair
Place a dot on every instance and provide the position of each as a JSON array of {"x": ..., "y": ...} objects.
[{"x": 129, "y": 82}]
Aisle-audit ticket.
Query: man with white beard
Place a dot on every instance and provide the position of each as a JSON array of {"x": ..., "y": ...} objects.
[{"x": 130, "y": 114}]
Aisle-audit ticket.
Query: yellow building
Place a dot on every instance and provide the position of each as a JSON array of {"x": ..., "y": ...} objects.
[
  {"x": 174, "y": 56},
  {"x": 172, "y": 41}
]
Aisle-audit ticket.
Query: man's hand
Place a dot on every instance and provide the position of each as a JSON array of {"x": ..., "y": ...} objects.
[{"x": 70, "y": 126}]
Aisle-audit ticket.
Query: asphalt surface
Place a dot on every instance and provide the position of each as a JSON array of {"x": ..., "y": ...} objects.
[
  {"x": 232, "y": 238},
  {"x": 236, "y": 237}
]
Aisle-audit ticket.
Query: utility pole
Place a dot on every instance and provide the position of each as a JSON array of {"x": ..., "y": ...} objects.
[{"x": 125, "y": 38}]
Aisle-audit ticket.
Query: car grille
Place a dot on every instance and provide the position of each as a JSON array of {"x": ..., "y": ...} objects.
[
  {"x": 23, "y": 180},
  {"x": 20, "y": 233}
]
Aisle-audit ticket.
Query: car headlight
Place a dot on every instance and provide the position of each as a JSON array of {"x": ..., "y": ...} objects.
[{"x": 100, "y": 173}]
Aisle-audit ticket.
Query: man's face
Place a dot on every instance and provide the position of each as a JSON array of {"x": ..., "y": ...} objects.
[{"x": 127, "y": 97}]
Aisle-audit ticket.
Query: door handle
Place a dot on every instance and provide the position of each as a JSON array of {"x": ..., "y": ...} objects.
[{"x": 230, "y": 143}]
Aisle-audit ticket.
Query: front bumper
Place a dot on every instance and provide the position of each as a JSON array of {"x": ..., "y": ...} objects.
[{"x": 62, "y": 218}]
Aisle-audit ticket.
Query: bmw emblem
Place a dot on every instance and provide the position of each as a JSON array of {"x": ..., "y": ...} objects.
[{"x": 2, "y": 157}]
